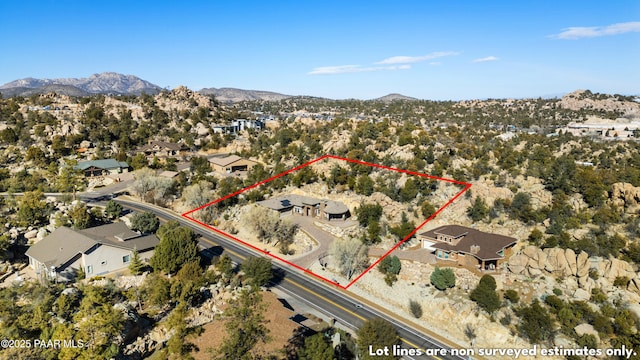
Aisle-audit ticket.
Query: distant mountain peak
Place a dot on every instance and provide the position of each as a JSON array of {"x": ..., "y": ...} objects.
[
  {"x": 102, "y": 83},
  {"x": 395, "y": 97},
  {"x": 237, "y": 95}
]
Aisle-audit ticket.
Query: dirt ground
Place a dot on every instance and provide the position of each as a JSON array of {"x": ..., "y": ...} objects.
[{"x": 281, "y": 330}]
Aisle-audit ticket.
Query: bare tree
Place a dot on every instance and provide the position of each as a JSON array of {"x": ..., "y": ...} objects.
[
  {"x": 144, "y": 182},
  {"x": 264, "y": 222},
  {"x": 161, "y": 187},
  {"x": 197, "y": 195},
  {"x": 351, "y": 256}
]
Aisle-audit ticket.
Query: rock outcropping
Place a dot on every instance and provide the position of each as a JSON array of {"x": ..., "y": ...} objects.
[{"x": 532, "y": 261}]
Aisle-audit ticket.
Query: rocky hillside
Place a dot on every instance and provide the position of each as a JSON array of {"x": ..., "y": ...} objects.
[
  {"x": 585, "y": 99},
  {"x": 237, "y": 95},
  {"x": 104, "y": 83}
]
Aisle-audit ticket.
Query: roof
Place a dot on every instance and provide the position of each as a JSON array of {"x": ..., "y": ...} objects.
[
  {"x": 119, "y": 235},
  {"x": 227, "y": 160},
  {"x": 101, "y": 164},
  {"x": 60, "y": 246},
  {"x": 65, "y": 243},
  {"x": 335, "y": 207},
  {"x": 452, "y": 230},
  {"x": 168, "y": 174},
  {"x": 161, "y": 145},
  {"x": 489, "y": 244},
  {"x": 287, "y": 201}
]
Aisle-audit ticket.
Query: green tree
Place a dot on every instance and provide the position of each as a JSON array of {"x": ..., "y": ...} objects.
[
  {"x": 364, "y": 185},
  {"x": 257, "y": 270},
  {"x": 80, "y": 217},
  {"x": 178, "y": 246},
  {"x": 368, "y": 212},
  {"x": 478, "y": 209},
  {"x": 139, "y": 161},
  {"x": 535, "y": 323},
  {"x": 409, "y": 190},
  {"x": 443, "y": 279},
  {"x": 225, "y": 265},
  {"x": 485, "y": 294},
  {"x": 113, "y": 210},
  {"x": 377, "y": 334},
  {"x": 427, "y": 209},
  {"x": 32, "y": 208},
  {"x": 4, "y": 245},
  {"x": 146, "y": 222},
  {"x": 246, "y": 327},
  {"x": 405, "y": 227},
  {"x": 316, "y": 347},
  {"x": 415, "y": 308},
  {"x": 136, "y": 265}
]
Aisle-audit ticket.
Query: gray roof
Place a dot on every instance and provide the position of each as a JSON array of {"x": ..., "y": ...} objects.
[
  {"x": 106, "y": 164},
  {"x": 64, "y": 243},
  {"x": 60, "y": 246},
  {"x": 119, "y": 235},
  {"x": 335, "y": 207},
  {"x": 288, "y": 201}
]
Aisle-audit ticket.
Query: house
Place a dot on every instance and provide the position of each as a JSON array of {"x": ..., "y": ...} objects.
[
  {"x": 162, "y": 150},
  {"x": 307, "y": 206},
  {"x": 467, "y": 246},
  {"x": 93, "y": 168},
  {"x": 230, "y": 164},
  {"x": 98, "y": 250}
]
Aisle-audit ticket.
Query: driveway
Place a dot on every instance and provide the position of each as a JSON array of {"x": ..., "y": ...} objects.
[{"x": 323, "y": 238}]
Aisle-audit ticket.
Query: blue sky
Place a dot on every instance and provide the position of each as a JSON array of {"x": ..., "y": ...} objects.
[{"x": 336, "y": 49}]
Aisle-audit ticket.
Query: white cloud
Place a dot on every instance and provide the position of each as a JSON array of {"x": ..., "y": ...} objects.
[
  {"x": 485, "y": 59},
  {"x": 416, "y": 59},
  {"x": 573, "y": 33},
  {"x": 347, "y": 69}
]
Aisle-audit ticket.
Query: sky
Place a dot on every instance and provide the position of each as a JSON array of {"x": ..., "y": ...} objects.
[{"x": 438, "y": 50}]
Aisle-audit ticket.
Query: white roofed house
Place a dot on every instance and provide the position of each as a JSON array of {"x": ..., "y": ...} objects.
[{"x": 98, "y": 250}]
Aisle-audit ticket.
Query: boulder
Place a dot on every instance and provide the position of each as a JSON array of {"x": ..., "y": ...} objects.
[
  {"x": 29, "y": 235},
  {"x": 518, "y": 263},
  {"x": 581, "y": 294},
  {"x": 556, "y": 263},
  {"x": 572, "y": 261},
  {"x": 537, "y": 257},
  {"x": 613, "y": 268},
  {"x": 582, "y": 264},
  {"x": 634, "y": 286},
  {"x": 41, "y": 234},
  {"x": 586, "y": 329}
]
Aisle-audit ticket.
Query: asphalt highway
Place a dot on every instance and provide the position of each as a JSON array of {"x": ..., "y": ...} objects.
[{"x": 328, "y": 299}]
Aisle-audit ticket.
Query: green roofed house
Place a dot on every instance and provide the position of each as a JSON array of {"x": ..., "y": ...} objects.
[
  {"x": 98, "y": 250},
  {"x": 307, "y": 206},
  {"x": 94, "y": 168}
]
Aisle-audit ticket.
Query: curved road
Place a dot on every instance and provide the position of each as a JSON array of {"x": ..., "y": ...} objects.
[{"x": 336, "y": 303}]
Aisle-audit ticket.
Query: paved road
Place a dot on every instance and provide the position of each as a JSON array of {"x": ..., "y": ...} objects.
[{"x": 340, "y": 305}]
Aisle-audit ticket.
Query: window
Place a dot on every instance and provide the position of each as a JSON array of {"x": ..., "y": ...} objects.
[
  {"x": 89, "y": 269},
  {"x": 126, "y": 258}
]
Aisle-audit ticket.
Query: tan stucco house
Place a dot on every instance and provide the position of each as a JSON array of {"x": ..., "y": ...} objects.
[{"x": 230, "y": 164}]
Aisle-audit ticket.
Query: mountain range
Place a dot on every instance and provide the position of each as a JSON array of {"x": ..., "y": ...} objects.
[
  {"x": 115, "y": 83},
  {"x": 103, "y": 83}
]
